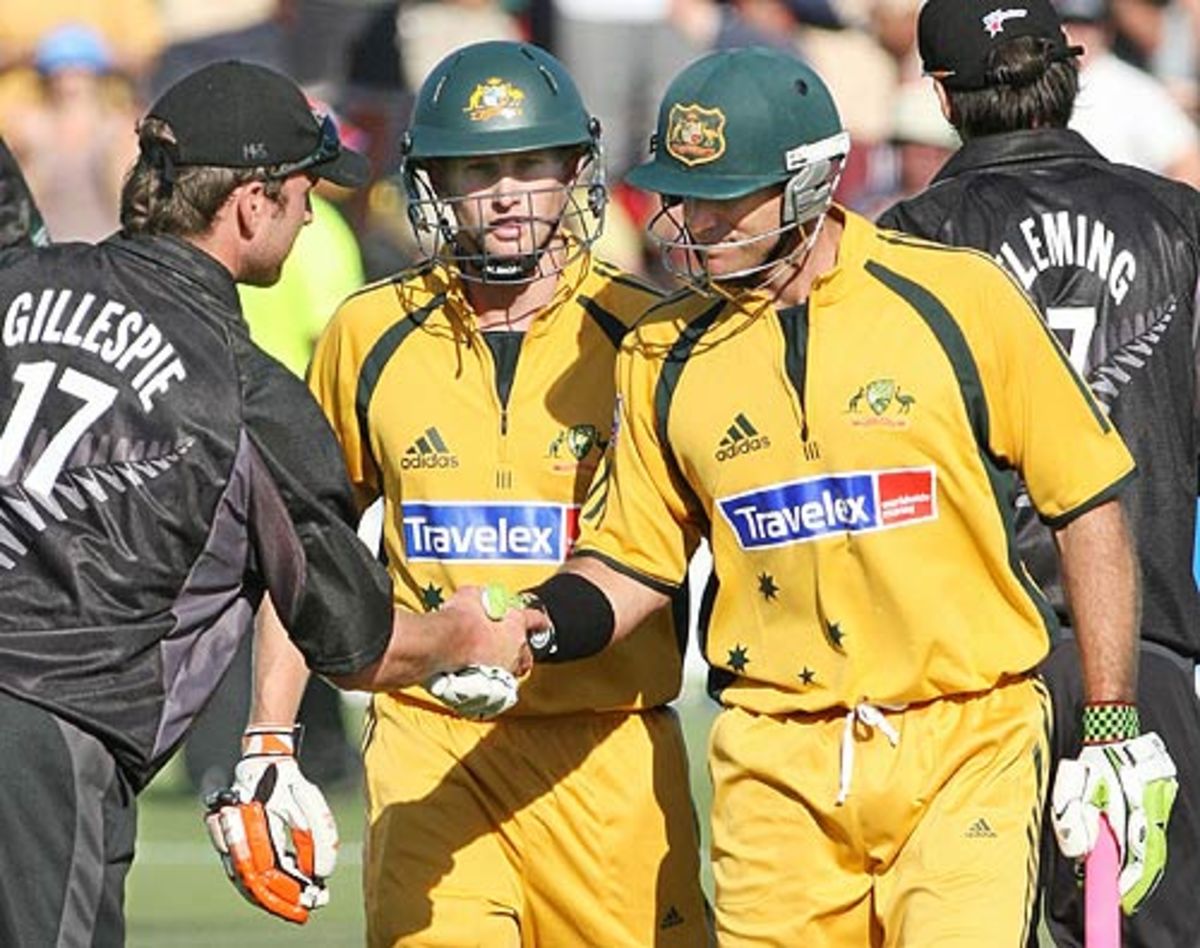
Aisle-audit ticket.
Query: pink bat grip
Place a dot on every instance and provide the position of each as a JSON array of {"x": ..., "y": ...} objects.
[{"x": 1101, "y": 897}]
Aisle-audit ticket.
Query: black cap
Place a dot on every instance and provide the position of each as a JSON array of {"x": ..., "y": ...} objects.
[
  {"x": 241, "y": 115},
  {"x": 956, "y": 37}
]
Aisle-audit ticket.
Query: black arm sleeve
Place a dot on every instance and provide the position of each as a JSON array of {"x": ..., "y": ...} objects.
[{"x": 331, "y": 594}]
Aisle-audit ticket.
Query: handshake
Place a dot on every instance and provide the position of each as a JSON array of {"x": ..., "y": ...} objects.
[{"x": 488, "y": 688}]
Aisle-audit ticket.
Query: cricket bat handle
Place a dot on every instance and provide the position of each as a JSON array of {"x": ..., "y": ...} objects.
[{"x": 1101, "y": 896}]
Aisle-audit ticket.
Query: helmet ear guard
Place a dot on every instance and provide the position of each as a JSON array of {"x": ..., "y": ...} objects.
[
  {"x": 597, "y": 188},
  {"x": 818, "y": 169},
  {"x": 433, "y": 221}
]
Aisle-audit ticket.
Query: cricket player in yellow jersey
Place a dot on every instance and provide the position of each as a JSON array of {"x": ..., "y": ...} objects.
[
  {"x": 842, "y": 412},
  {"x": 475, "y": 395}
]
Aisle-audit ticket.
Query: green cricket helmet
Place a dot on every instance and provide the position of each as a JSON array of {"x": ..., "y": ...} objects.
[
  {"x": 499, "y": 98},
  {"x": 733, "y": 123}
]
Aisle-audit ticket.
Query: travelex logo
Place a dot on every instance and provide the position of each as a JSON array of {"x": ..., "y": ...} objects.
[
  {"x": 817, "y": 507},
  {"x": 489, "y": 533}
]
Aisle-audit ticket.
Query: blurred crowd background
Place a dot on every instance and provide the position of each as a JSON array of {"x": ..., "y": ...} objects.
[{"x": 76, "y": 74}]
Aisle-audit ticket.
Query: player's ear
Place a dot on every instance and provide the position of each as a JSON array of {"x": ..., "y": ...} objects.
[{"x": 250, "y": 207}]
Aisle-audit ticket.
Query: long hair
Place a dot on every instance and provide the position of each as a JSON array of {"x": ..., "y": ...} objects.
[
  {"x": 1028, "y": 88},
  {"x": 159, "y": 197}
]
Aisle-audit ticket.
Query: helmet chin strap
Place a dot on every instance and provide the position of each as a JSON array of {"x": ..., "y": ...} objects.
[
  {"x": 516, "y": 268},
  {"x": 492, "y": 269}
]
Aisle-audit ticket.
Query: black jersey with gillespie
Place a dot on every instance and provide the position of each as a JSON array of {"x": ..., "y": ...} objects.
[{"x": 158, "y": 473}]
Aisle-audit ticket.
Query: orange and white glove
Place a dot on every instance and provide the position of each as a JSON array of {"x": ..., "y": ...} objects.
[{"x": 273, "y": 829}]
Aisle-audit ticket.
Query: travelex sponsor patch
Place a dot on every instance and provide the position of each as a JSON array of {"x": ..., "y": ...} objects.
[
  {"x": 816, "y": 507},
  {"x": 489, "y": 533}
]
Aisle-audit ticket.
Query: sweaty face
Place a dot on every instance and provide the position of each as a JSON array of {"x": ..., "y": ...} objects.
[{"x": 507, "y": 206}]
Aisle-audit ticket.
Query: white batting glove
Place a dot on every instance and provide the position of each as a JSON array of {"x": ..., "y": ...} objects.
[
  {"x": 1133, "y": 783},
  {"x": 477, "y": 691},
  {"x": 273, "y": 829},
  {"x": 480, "y": 691}
]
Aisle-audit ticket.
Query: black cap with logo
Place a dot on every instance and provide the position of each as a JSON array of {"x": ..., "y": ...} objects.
[
  {"x": 956, "y": 37},
  {"x": 241, "y": 115}
]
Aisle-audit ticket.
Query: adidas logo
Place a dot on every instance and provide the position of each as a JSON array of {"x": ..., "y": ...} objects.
[
  {"x": 980, "y": 829},
  {"x": 741, "y": 438},
  {"x": 429, "y": 450},
  {"x": 671, "y": 919}
]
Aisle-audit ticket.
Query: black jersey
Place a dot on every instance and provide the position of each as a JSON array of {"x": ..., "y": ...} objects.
[
  {"x": 1111, "y": 255},
  {"x": 158, "y": 472}
]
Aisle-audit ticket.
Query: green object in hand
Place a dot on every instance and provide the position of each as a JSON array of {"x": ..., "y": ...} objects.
[{"x": 497, "y": 600}]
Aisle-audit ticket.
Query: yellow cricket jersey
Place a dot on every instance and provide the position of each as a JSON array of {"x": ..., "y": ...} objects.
[
  {"x": 477, "y": 492},
  {"x": 855, "y": 475}
]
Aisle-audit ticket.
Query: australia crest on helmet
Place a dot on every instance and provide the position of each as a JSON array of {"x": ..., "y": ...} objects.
[
  {"x": 695, "y": 133},
  {"x": 495, "y": 98}
]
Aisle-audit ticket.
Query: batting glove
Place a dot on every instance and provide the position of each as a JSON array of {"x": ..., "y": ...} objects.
[
  {"x": 1132, "y": 782},
  {"x": 273, "y": 829},
  {"x": 477, "y": 691},
  {"x": 480, "y": 691}
]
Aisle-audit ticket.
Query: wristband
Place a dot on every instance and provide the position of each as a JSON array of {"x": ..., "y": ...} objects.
[
  {"x": 1110, "y": 721},
  {"x": 272, "y": 741},
  {"x": 581, "y": 619}
]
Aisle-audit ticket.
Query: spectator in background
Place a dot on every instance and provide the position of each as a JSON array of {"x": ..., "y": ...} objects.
[
  {"x": 716, "y": 26},
  {"x": 345, "y": 53},
  {"x": 131, "y": 28},
  {"x": 427, "y": 31},
  {"x": 76, "y": 140},
  {"x": 1174, "y": 60},
  {"x": 920, "y": 143},
  {"x": 921, "y": 137},
  {"x": 1138, "y": 29},
  {"x": 1125, "y": 113},
  {"x": 324, "y": 35},
  {"x": 201, "y": 33},
  {"x": 589, "y": 35},
  {"x": 863, "y": 65}
]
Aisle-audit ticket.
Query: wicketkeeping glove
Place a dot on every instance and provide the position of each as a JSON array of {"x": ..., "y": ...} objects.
[
  {"x": 1132, "y": 782},
  {"x": 480, "y": 691},
  {"x": 273, "y": 829}
]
